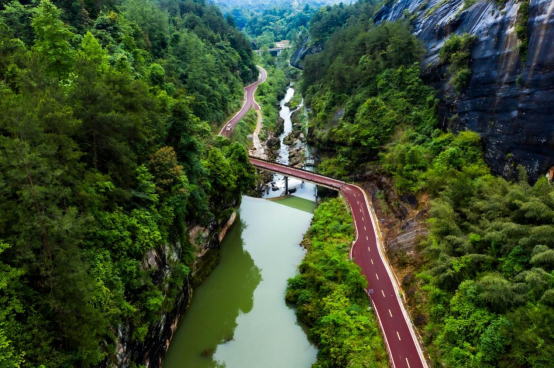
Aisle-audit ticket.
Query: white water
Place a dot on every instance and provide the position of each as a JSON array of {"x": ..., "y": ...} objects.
[{"x": 307, "y": 190}]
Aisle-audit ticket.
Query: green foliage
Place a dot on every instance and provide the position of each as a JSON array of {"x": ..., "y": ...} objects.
[
  {"x": 329, "y": 294},
  {"x": 270, "y": 93},
  {"x": 488, "y": 253},
  {"x": 504, "y": 227},
  {"x": 11, "y": 305},
  {"x": 329, "y": 19},
  {"x": 432, "y": 10},
  {"x": 53, "y": 39},
  {"x": 244, "y": 128},
  {"x": 361, "y": 88},
  {"x": 266, "y": 23},
  {"x": 105, "y": 159},
  {"x": 457, "y": 53},
  {"x": 485, "y": 285},
  {"x": 521, "y": 28}
]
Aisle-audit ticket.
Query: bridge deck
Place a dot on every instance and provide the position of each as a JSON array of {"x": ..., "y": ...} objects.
[{"x": 298, "y": 173}]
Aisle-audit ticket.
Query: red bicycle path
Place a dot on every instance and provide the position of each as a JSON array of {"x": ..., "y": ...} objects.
[
  {"x": 400, "y": 339},
  {"x": 249, "y": 101}
]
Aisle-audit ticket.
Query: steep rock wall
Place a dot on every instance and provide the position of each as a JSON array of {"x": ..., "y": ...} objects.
[
  {"x": 305, "y": 48},
  {"x": 150, "y": 352},
  {"x": 509, "y": 103}
]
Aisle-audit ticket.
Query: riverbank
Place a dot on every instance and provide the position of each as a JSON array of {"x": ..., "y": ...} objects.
[
  {"x": 238, "y": 316},
  {"x": 329, "y": 293}
]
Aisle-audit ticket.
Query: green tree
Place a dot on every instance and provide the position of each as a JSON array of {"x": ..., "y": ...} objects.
[{"x": 53, "y": 39}]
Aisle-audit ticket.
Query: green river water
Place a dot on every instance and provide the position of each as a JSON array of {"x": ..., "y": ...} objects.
[{"x": 238, "y": 317}]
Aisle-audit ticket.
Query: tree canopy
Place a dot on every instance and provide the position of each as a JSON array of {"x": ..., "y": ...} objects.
[{"x": 106, "y": 154}]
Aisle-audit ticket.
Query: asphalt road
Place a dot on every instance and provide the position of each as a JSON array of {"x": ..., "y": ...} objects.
[
  {"x": 249, "y": 101},
  {"x": 401, "y": 343}
]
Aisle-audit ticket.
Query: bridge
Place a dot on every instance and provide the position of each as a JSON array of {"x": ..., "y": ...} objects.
[{"x": 366, "y": 251}]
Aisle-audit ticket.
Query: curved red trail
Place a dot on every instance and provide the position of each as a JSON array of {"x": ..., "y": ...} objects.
[
  {"x": 249, "y": 101},
  {"x": 402, "y": 345}
]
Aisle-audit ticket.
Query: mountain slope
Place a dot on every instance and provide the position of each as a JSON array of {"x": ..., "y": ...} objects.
[{"x": 508, "y": 99}]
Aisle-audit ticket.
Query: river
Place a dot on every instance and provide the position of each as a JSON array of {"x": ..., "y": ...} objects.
[
  {"x": 307, "y": 190},
  {"x": 239, "y": 317}
]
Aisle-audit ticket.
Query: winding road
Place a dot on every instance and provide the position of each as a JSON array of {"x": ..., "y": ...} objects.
[
  {"x": 399, "y": 336},
  {"x": 249, "y": 101},
  {"x": 400, "y": 339}
]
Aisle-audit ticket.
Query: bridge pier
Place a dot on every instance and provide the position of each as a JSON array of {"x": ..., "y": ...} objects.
[{"x": 286, "y": 185}]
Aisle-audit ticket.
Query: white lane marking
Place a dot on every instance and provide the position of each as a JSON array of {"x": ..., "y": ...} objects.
[
  {"x": 368, "y": 249},
  {"x": 366, "y": 238},
  {"x": 377, "y": 276},
  {"x": 371, "y": 261},
  {"x": 365, "y": 229},
  {"x": 390, "y": 313},
  {"x": 363, "y": 220},
  {"x": 398, "y": 334},
  {"x": 407, "y": 362},
  {"x": 383, "y": 292}
]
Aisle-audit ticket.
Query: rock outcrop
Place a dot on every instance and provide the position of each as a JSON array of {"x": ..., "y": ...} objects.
[
  {"x": 508, "y": 101},
  {"x": 150, "y": 352},
  {"x": 305, "y": 48}
]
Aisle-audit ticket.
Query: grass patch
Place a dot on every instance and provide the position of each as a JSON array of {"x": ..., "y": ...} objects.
[
  {"x": 521, "y": 29},
  {"x": 245, "y": 127},
  {"x": 457, "y": 53}
]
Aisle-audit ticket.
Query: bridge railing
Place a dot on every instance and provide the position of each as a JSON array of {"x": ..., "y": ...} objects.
[{"x": 300, "y": 169}]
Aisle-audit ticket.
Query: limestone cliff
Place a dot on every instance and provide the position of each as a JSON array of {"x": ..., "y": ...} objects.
[
  {"x": 151, "y": 351},
  {"x": 508, "y": 101}
]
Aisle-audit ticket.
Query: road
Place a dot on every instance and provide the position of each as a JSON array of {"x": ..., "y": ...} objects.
[
  {"x": 249, "y": 101},
  {"x": 402, "y": 345}
]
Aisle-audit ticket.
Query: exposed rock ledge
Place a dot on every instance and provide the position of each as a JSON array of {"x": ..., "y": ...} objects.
[{"x": 151, "y": 352}]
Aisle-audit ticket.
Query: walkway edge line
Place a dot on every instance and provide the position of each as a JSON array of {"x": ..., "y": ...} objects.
[
  {"x": 392, "y": 276},
  {"x": 351, "y": 255}
]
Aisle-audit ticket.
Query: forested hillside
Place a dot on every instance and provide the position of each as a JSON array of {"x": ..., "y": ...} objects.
[
  {"x": 266, "y": 24},
  {"x": 482, "y": 282},
  {"x": 106, "y": 154},
  {"x": 267, "y": 21},
  {"x": 276, "y": 24}
]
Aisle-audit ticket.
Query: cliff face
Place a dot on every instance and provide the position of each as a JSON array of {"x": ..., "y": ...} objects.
[
  {"x": 151, "y": 351},
  {"x": 304, "y": 49},
  {"x": 508, "y": 102}
]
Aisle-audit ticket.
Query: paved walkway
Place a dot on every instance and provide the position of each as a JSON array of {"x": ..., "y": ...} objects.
[
  {"x": 400, "y": 339},
  {"x": 249, "y": 101}
]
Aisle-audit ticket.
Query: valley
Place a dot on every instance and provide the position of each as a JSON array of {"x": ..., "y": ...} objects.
[{"x": 276, "y": 184}]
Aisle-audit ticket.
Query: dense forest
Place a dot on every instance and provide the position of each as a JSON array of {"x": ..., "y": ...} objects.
[
  {"x": 266, "y": 22},
  {"x": 276, "y": 24},
  {"x": 106, "y": 153},
  {"x": 484, "y": 279}
]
